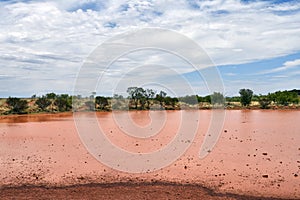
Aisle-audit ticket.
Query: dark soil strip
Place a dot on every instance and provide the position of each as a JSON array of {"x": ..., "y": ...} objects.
[{"x": 153, "y": 191}]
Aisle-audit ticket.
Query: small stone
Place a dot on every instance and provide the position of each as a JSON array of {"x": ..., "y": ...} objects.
[
  {"x": 185, "y": 167},
  {"x": 265, "y": 176},
  {"x": 225, "y": 131},
  {"x": 296, "y": 175},
  {"x": 264, "y": 154}
]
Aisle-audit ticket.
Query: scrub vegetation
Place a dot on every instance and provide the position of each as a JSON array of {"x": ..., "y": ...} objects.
[{"x": 148, "y": 99}]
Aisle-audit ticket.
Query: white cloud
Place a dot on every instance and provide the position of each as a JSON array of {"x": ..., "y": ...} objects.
[
  {"x": 50, "y": 39},
  {"x": 293, "y": 63},
  {"x": 286, "y": 66}
]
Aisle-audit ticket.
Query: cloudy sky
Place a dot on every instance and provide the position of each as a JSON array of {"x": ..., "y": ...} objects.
[{"x": 45, "y": 43}]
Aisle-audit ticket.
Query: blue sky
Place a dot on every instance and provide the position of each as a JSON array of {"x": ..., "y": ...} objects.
[{"x": 44, "y": 43}]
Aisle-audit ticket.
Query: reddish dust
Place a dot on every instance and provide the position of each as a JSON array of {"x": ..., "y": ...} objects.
[{"x": 258, "y": 152}]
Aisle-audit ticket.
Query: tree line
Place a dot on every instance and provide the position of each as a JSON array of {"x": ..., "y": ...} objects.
[
  {"x": 278, "y": 98},
  {"x": 144, "y": 99},
  {"x": 50, "y": 102}
]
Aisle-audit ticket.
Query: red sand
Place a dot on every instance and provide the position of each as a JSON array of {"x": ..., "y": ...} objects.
[{"x": 258, "y": 153}]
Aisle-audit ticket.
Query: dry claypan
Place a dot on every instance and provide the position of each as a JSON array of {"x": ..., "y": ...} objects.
[{"x": 258, "y": 154}]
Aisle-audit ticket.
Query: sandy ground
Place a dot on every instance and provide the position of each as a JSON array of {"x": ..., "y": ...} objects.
[
  {"x": 122, "y": 192},
  {"x": 258, "y": 154}
]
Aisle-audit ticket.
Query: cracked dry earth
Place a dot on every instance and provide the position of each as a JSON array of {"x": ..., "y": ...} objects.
[{"x": 256, "y": 157}]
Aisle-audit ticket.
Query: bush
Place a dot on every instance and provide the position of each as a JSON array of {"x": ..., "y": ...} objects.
[
  {"x": 264, "y": 102},
  {"x": 204, "y": 99},
  {"x": 171, "y": 101},
  {"x": 192, "y": 99},
  {"x": 43, "y": 102},
  {"x": 101, "y": 102},
  {"x": 17, "y": 105},
  {"x": 63, "y": 102},
  {"x": 217, "y": 98},
  {"x": 284, "y": 97}
]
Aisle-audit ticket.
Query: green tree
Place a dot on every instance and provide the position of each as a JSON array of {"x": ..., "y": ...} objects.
[
  {"x": 189, "y": 99},
  {"x": 204, "y": 99},
  {"x": 137, "y": 95},
  {"x": 285, "y": 97},
  {"x": 149, "y": 94},
  {"x": 246, "y": 96},
  {"x": 43, "y": 102},
  {"x": 233, "y": 99},
  {"x": 63, "y": 102},
  {"x": 17, "y": 105},
  {"x": 141, "y": 97},
  {"x": 171, "y": 101},
  {"x": 217, "y": 98},
  {"x": 101, "y": 102},
  {"x": 132, "y": 95},
  {"x": 282, "y": 98},
  {"x": 264, "y": 102},
  {"x": 51, "y": 96},
  {"x": 160, "y": 97}
]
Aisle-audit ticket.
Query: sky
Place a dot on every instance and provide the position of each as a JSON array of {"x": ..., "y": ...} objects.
[{"x": 45, "y": 43}]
